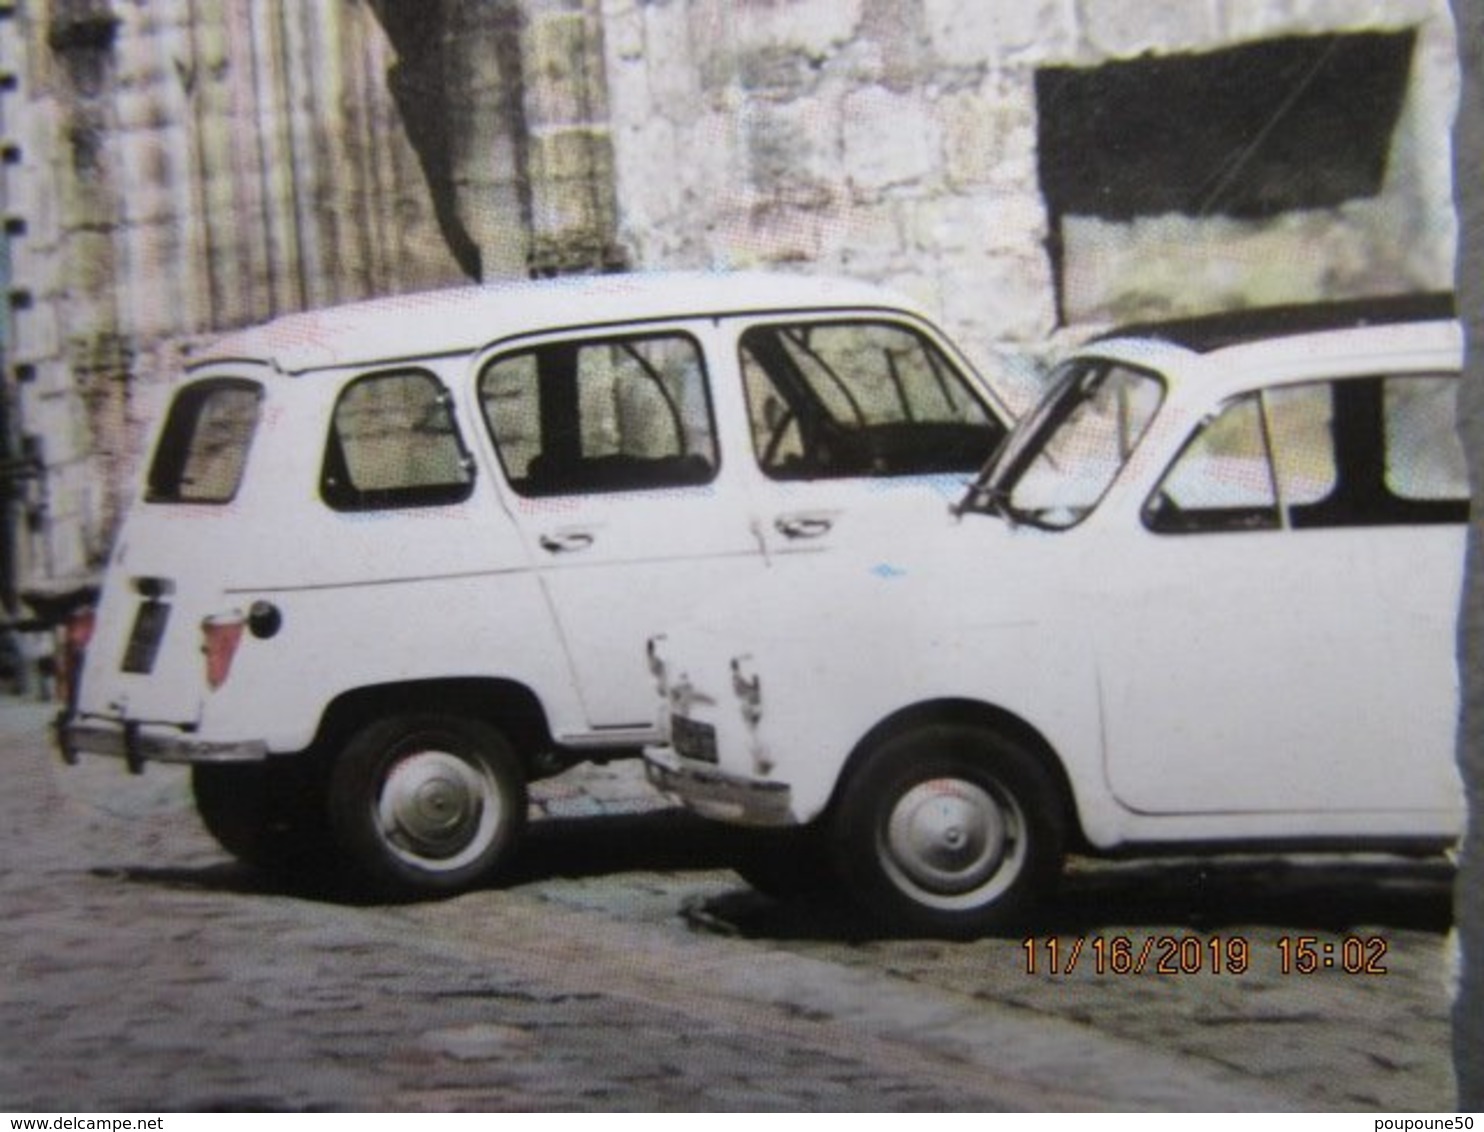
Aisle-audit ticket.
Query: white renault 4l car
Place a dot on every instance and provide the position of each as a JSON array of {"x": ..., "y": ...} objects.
[
  {"x": 392, "y": 561},
  {"x": 1204, "y": 597}
]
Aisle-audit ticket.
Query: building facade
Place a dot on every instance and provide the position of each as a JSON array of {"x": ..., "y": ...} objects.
[{"x": 174, "y": 169}]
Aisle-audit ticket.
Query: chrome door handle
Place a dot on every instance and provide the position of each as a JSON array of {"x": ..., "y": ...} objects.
[
  {"x": 802, "y": 526},
  {"x": 563, "y": 541}
]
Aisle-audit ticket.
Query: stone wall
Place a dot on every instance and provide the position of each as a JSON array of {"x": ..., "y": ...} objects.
[
  {"x": 184, "y": 167},
  {"x": 862, "y": 136},
  {"x": 187, "y": 168},
  {"x": 898, "y": 140}
]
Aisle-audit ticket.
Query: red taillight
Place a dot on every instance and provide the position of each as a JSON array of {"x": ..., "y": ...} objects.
[
  {"x": 77, "y": 631},
  {"x": 220, "y": 636},
  {"x": 79, "y": 628}
]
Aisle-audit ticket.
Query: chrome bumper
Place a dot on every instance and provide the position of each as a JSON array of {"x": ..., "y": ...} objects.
[
  {"x": 129, "y": 742},
  {"x": 714, "y": 793}
]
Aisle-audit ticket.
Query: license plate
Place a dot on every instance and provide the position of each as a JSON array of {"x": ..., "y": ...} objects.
[
  {"x": 145, "y": 638},
  {"x": 693, "y": 740}
]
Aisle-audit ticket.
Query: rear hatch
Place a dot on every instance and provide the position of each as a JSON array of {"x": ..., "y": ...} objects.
[{"x": 163, "y": 618}]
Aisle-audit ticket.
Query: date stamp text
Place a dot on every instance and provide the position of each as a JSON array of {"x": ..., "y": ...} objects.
[{"x": 1190, "y": 954}]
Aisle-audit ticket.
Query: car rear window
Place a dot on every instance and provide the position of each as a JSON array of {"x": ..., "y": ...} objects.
[{"x": 202, "y": 451}]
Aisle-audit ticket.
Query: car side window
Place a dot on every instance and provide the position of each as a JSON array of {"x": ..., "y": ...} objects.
[
  {"x": 393, "y": 443},
  {"x": 601, "y": 414},
  {"x": 1222, "y": 480},
  {"x": 1424, "y": 455},
  {"x": 1300, "y": 430},
  {"x": 827, "y": 400},
  {"x": 1372, "y": 451},
  {"x": 1397, "y": 457},
  {"x": 203, "y": 447}
]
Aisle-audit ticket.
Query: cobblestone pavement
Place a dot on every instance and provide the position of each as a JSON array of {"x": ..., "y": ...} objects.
[{"x": 623, "y": 967}]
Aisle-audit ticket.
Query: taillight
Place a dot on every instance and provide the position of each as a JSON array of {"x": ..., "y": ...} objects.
[
  {"x": 77, "y": 631},
  {"x": 79, "y": 628},
  {"x": 221, "y": 633}
]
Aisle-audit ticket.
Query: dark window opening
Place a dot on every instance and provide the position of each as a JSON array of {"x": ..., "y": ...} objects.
[{"x": 1249, "y": 132}]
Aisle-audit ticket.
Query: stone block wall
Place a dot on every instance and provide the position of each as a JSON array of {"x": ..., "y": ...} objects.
[
  {"x": 860, "y": 137},
  {"x": 898, "y": 140},
  {"x": 185, "y": 168}
]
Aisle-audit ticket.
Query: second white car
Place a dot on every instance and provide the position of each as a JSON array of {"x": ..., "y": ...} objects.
[{"x": 1204, "y": 597}]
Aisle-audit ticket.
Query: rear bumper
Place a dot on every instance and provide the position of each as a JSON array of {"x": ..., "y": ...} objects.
[
  {"x": 714, "y": 793},
  {"x": 128, "y": 740}
]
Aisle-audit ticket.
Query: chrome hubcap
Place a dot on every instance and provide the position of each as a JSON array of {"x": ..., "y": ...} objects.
[
  {"x": 437, "y": 808},
  {"x": 952, "y": 842}
]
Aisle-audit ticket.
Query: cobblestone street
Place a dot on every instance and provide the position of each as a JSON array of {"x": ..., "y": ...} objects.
[{"x": 624, "y": 967}]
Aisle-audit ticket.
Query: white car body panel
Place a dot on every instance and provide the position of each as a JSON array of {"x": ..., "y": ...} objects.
[
  {"x": 384, "y": 597},
  {"x": 1264, "y": 685}
]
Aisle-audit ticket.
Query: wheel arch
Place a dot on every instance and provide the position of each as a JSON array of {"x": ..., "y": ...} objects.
[
  {"x": 973, "y": 713},
  {"x": 509, "y": 706}
]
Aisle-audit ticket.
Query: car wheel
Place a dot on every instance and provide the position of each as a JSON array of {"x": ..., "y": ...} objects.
[
  {"x": 788, "y": 864},
  {"x": 949, "y": 830},
  {"x": 266, "y": 814},
  {"x": 426, "y": 805}
]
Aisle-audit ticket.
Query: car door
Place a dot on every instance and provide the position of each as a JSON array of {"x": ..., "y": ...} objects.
[
  {"x": 1277, "y": 636},
  {"x": 614, "y": 469},
  {"x": 845, "y": 411}
]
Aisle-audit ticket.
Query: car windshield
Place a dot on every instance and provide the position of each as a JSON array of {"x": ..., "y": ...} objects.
[{"x": 1065, "y": 454}]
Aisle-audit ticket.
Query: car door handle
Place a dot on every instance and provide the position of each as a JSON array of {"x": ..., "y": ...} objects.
[
  {"x": 563, "y": 541},
  {"x": 802, "y": 526}
]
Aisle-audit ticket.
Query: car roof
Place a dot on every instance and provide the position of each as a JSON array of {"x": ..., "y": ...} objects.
[
  {"x": 1224, "y": 329},
  {"x": 1219, "y": 352},
  {"x": 460, "y": 320}
]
